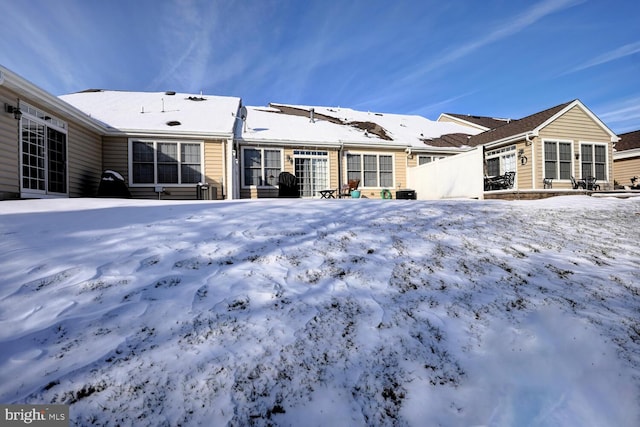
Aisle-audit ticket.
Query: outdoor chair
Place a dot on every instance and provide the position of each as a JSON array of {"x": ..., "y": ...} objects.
[
  {"x": 346, "y": 189},
  {"x": 509, "y": 179},
  {"x": 591, "y": 184},
  {"x": 578, "y": 184}
]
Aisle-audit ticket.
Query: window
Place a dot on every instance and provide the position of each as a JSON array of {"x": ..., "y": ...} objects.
[
  {"x": 161, "y": 162},
  {"x": 501, "y": 161},
  {"x": 428, "y": 159},
  {"x": 373, "y": 170},
  {"x": 43, "y": 153},
  {"x": 261, "y": 166},
  {"x": 593, "y": 161},
  {"x": 557, "y": 159}
]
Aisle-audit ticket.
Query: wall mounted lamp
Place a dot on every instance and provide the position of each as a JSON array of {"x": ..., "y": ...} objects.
[
  {"x": 577, "y": 156},
  {"x": 13, "y": 110}
]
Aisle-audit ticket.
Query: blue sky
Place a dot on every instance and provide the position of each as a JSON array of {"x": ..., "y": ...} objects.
[{"x": 501, "y": 58}]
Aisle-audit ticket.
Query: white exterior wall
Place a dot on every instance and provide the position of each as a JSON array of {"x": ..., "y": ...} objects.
[{"x": 459, "y": 176}]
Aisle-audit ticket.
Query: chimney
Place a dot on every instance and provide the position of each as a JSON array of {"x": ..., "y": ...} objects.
[{"x": 311, "y": 112}]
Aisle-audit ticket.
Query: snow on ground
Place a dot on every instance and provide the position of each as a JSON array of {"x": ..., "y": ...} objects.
[{"x": 314, "y": 312}]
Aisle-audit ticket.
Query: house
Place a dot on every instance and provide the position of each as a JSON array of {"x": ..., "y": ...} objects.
[
  {"x": 187, "y": 146},
  {"x": 325, "y": 147},
  {"x": 48, "y": 148},
  {"x": 165, "y": 144},
  {"x": 552, "y": 145},
  {"x": 626, "y": 159}
]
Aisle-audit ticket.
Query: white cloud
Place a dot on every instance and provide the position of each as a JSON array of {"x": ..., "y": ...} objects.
[
  {"x": 502, "y": 31},
  {"x": 624, "y": 116},
  {"x": 618, "y": 53}
]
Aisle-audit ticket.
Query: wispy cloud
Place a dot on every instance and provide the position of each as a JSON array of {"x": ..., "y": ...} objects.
[
  {"x": 623, "y": 116},
  {"x": 502, "y": 31},
  {"x": 23, "y": 35},
  {"x": 618, "y": 53}
]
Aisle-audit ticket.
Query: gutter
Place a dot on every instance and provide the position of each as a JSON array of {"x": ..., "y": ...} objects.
[
  {"x": 513, "y": 138},
  {"x": 145, "y": 133},
  {"x": 626, "y": 154},
  {"x": 47, "y": 100}
]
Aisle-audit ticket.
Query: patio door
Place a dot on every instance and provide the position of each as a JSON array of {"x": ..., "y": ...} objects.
[
  {"x": 43, "y": 154},
  {"x": 312, "y": 171}
]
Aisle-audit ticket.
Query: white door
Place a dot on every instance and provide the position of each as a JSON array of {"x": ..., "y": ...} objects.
[{"x": 312, "y": 171}]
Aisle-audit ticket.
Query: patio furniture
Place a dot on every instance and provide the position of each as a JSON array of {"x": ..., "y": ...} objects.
[
  {"x": 591, "y": 184},
  {"x": 346, "y": 189},
  {"x": 578, "y": 183},
  {"x": 327, "y": 194},
  {"x": 288, "y": 185},
  {"x": 500, "y": 182}
]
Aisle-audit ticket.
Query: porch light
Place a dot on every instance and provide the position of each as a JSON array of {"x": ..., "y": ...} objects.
[
  {"x": 577, "y": 156},
  {"x": 13, "y": 110}
]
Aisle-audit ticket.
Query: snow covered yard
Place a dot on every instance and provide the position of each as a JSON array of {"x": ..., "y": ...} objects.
[{"x": 314, "y": 312}]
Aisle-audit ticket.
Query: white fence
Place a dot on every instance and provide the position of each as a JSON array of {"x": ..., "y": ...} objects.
[{"x": 459, "y": 176}]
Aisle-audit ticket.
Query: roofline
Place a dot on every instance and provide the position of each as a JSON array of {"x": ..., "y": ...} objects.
[
  {"x": 22, "y": 86},
  {"x": 468, "y": 123},
  {"x": 577, "y": 102},
  {"x": 512, "y": 138},
  {"x": 626, "y": 154},
  {"x": 354, "y": 145},
  {"x": 287, "y": 142},
  {"x": 145, "y": 133}
]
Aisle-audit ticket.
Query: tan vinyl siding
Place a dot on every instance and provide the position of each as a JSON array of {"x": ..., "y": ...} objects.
[
  {"x": 524, "y": 173},
  {"x": 9, "y": 156},
  {"x": 399, "y": 169},
  {"x": 171, "y": 193},
  {"x": 9, "y": 149},
  {"x": 115, "y": 154},
  {"x": 84, "y": 148},
  {"x": 575, "y": 126},
  {"x": 213, "y": 165},
  {"x": 625, "y": 169}
]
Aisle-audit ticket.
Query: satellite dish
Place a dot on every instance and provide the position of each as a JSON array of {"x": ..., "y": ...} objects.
[{"x": 243, "y": 113}]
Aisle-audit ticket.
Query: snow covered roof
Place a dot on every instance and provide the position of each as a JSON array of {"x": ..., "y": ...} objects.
[
  {"x": 158, "y": 112},
  {"x": 335, "y": 125}
]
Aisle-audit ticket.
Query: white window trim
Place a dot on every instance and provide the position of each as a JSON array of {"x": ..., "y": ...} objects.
[
  {"x": 606, "y": 153},
  {"x": 501, "y": 154},
  {"x": 261, "y": 149},
  {"x": 155, "y": 162},
  {"x": 40, "y": 116},
  {"x": 432, "y": 157},
  {"x": 369, "y": 153},
  {"x": 557, "y": 140}
]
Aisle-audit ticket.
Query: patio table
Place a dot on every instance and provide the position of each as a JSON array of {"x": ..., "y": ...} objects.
[{"x": 327, "y": 194}]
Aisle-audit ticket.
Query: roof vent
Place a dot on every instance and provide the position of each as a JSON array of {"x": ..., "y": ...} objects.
[
  {"x": 311, "y": 114},
  {"x": 169, "y": 92},
  {"x": 173, "y": 123},
  {"x": 196, "y": 98}
]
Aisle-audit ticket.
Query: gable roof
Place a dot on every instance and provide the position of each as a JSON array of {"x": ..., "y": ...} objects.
[
  {"x": 159, "y": 112},
  {"x": 518, "y": 127},
  {"x": 486, "y": 123},
  {"x": 628, "y": 141},
  {"x": 533, "y": 124},
  {"x": 337, "y": 126}
]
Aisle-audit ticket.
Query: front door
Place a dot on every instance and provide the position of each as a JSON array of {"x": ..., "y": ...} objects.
[{"x": 312, "y": 171}]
